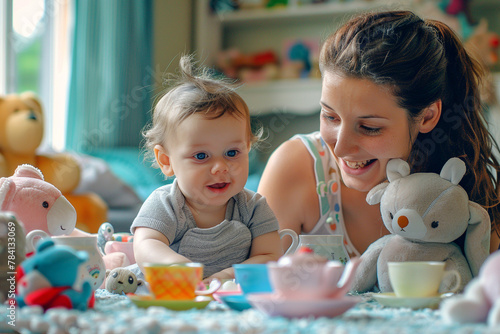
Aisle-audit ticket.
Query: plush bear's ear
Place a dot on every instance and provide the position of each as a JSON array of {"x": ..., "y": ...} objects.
[
  {"x": 396, "y": 169},
  {"x": 374, "y": 196},
  {"x": 31, "y": 99},
  {"x": 453, "y": 170},
  {"x": 477, "y": 237},
  {"x": 26, "y": 170}
]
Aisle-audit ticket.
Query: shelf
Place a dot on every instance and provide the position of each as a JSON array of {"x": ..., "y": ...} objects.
[
  {"x": 299, "y": 96},
  {"x": 252, "y": 16}
]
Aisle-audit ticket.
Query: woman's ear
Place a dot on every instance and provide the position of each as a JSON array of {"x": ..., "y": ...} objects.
[
  {"x": 163, "y": 160},
  {"x": 430, "y": 117}
]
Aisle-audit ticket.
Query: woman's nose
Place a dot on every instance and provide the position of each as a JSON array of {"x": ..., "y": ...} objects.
[
  {"x": 345, "y": 142},
  {"x": 220, "y": 166}
]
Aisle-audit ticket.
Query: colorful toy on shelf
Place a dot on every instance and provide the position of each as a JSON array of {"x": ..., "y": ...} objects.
[
  {"x": 481, "y": 299},
  {"x": 47, "y": 278},
  {"x": 21, "y": 133},
  {"x": 260, "y": 66},
  {"x": 39, "y": 205},
  {"x": 425, "y": 212},
  {"x": 122, "y": 281}
]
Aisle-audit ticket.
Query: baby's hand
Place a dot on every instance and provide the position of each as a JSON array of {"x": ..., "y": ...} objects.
[{"x": 221, "y": 275}]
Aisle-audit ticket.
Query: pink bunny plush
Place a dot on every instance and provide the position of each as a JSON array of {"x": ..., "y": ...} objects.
[
  {"x": 39, "y": 205},
  {"x": 481, "y": 299}
]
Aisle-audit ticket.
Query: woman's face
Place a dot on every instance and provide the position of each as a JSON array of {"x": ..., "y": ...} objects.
[{"x": 364, "y": 127}]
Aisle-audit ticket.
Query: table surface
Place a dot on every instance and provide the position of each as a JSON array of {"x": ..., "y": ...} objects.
[{"x": 116, "y": 314}]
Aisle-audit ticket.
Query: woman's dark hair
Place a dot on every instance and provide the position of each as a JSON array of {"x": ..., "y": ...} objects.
[{"x": 422, "y": 62}]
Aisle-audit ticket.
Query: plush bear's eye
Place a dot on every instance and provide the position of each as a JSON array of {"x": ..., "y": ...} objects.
[
  {"x": 115, "y": 275},
  {"x": 45, "y": 204},
  {"x": 435, "y": 224},
  {"x": 390, "y": 214},
  {"x": 130, "y": 280}
]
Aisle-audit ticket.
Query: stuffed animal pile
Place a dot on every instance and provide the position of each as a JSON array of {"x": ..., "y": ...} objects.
[
  {"x": 425, "y": 213},
  {"x": 21, "y": 133}
]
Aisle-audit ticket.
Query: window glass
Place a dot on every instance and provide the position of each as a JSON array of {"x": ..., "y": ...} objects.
[{"x": 28, "y": 30}]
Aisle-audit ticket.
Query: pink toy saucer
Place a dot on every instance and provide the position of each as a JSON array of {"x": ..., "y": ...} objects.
[{"x": 273, "y": 305}]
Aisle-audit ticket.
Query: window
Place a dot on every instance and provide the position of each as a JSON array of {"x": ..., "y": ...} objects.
[{"x": 34, "y": 56}]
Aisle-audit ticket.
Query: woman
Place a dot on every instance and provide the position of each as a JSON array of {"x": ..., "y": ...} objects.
[{"x": 394, "y": 86}]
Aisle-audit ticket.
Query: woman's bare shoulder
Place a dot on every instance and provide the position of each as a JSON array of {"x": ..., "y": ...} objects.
[{"x": 289, "y": 162}]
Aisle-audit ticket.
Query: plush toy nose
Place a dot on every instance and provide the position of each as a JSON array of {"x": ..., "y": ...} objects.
[{"x": 403, "y": 221}]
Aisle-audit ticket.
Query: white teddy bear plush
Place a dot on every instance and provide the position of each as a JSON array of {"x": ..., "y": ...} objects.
[{"x": 425, "y": 213}]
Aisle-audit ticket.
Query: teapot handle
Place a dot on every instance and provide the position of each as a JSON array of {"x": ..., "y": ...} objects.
[
  {"x": 348, "y": 275},
  {"x": 295, "y": 240}
]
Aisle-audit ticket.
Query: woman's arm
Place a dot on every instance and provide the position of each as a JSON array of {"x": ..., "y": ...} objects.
[
  {"x": 289, "y": 186},
  {"x": 152, "y": 246}
]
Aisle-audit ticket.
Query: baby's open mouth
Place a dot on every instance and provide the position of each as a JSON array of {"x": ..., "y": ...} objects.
[
  {"x": 220, "y": 185},
  {"x": 358, "y": 164}
]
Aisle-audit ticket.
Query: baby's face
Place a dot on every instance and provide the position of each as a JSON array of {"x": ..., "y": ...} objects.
[{"x": 210, "y": 158}]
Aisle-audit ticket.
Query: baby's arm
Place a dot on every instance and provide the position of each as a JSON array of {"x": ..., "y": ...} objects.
[
  {"x": 153, "y": 247},
  {"x": 265, "y": 248}
]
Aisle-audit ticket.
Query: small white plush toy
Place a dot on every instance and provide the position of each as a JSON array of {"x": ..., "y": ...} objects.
[
  {"x": 425, "y": 213},
  {"x": 122, "y": 281},
  {"x": 481, "y": 299}
]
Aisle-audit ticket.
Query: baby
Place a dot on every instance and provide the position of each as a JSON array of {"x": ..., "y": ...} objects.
[{"x": 201, "y": 133}]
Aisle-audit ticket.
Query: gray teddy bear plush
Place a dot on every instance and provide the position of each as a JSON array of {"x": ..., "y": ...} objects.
[{"x": 425, "y": 213}]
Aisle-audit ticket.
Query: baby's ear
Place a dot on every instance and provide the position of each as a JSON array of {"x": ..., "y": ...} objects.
[{"x": 163, "y": 160}]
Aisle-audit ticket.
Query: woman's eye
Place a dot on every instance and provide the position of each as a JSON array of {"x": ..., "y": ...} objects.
[
  {"x": 200, "y": 156},
  {"x": 370, "y": 130},
  {"x": 232, "y": 153}
]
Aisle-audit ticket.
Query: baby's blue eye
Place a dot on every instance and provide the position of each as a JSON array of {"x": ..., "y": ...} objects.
[
  {"x": 200, "y": 156},
  {"x": 232, "y": 153}
]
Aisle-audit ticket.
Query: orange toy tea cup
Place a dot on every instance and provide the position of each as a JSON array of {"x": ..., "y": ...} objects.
[{"x": 176, "y": 281}]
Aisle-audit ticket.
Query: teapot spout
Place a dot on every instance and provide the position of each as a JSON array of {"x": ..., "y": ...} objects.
[{"x": 345, "y": 282}]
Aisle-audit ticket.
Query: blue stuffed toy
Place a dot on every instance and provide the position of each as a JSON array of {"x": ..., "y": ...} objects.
[{"x": 47, "y": 278}]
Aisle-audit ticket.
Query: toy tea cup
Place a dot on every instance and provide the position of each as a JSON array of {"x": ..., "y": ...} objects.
[
  {"x": 94, "y": 269},
  {"x": 252, "y": 277},
  {"x": 305, "y": 275},
  {"x": 179, "y": 281},
  {"x": 329, "y": 246},
  {"x": 420, "y": 278}
]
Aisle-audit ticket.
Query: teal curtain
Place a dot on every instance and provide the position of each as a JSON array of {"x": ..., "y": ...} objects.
[{"x": 111, "y": 74}]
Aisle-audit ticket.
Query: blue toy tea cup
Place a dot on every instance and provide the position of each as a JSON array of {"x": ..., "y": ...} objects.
[{"x": 252, "y": 277}]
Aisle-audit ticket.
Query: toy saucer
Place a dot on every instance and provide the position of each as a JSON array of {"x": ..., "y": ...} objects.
[
  {"x": 146, "y": 301},
  {"x": 274, "y": 305},
  {"x": 237, "y": 302},
  {"x": 389, "y": 299}
]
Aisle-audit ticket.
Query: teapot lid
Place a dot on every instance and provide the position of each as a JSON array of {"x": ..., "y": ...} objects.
[{"x": 303, "y": 255}]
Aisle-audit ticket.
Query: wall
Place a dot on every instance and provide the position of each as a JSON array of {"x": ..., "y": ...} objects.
[{"x": 172, "y": 35}]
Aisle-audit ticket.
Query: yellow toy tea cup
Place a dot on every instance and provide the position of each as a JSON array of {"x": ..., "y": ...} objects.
[{"x": 177, "y": 281}]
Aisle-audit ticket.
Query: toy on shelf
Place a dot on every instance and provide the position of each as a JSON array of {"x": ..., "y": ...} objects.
[
  {"x": 39, "y": 205},
  {"x": 47, "y": 278},
  {"x": 21, "y": 133},
  {"x": 260, "y": 66},
  {"x": 481, "y": 299},
  {"x": 425, "y": 212},
  {"x": 122, "y": 281}
]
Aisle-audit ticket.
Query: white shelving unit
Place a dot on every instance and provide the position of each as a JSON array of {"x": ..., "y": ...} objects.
[{"x": 255, "y": 30}]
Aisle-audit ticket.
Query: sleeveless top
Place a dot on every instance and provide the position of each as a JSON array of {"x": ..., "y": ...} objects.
[{"x": 328, "y": 181}]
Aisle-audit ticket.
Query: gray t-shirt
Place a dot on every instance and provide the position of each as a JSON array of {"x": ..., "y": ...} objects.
[{"x": 247, "y": 216}]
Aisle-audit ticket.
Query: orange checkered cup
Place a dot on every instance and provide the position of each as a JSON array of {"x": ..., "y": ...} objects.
[{"x": 176, "y": 281}]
